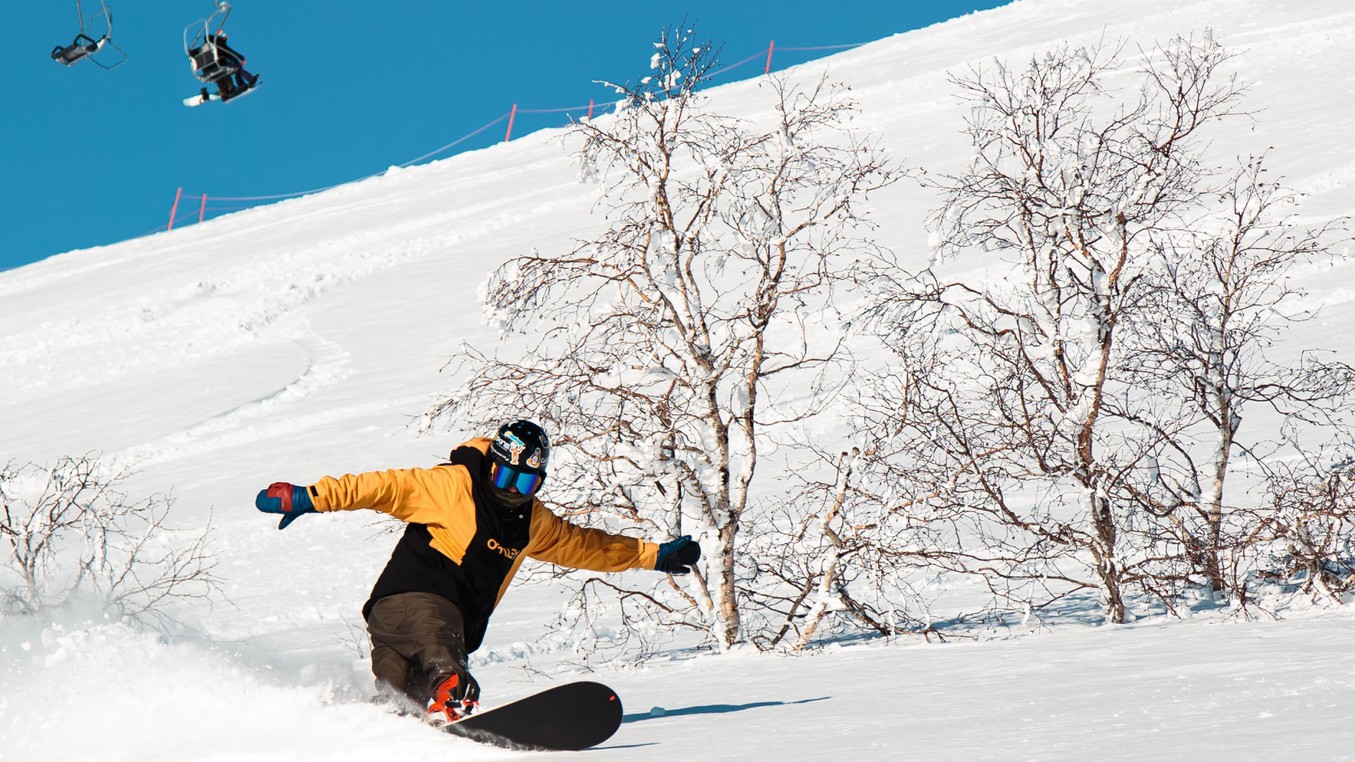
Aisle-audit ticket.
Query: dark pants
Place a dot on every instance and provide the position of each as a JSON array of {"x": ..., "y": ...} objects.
[{"x": 417, "y": 641}]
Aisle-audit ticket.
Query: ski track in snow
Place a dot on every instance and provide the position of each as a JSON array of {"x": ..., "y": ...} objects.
[
  {"x": 248, "y": 422},
  {"x": 224, "y": 306}
]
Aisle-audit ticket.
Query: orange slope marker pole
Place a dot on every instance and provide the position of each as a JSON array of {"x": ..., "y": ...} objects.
[
  {"x": 507, "y": 136},
  {"x": 173, "y": 210}
]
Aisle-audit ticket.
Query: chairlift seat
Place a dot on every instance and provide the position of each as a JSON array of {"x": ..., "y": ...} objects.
[
  {"x": 210, "y": 65},
  {"x": 82, "y": 46}
]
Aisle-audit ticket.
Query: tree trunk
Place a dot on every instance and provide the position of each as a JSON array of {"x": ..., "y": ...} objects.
[{"x": 730, "y": 624}]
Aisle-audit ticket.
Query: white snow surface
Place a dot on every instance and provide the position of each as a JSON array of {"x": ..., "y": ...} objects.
[{"x": 304, "y": 338}]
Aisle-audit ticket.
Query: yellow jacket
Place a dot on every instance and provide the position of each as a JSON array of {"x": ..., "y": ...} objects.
[{"x": 469, "y": 550}]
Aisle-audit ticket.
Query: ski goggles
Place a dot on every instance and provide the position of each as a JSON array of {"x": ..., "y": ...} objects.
[{"x": 525, "y": 482}]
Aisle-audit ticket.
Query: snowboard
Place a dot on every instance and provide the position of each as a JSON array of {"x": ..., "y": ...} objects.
[
  {"x": 201, "y": 98},
  {"x": 205, "y": 97},
  {"x": 567, "y": 717}
]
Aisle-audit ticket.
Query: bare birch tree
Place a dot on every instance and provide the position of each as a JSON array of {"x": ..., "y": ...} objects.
[
  {"x": 665, "y": 352},
  {"x": 1014, "y": 418},
  {"x": 1301, "y": 536},
  {"x": 70, "y": 531},
  {"x": 1228, "y": 295}
]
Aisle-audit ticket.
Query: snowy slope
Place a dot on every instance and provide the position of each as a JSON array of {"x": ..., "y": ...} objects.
[{"x": 301, "y": 339}]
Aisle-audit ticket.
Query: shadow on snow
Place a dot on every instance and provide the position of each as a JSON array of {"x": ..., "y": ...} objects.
[{"x": 714, "y": 709}]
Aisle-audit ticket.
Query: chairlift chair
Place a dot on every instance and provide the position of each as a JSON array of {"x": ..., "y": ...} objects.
[
  {"x": 208, "y": 53},
  {"x": 214, "y": 62},
  {"x": 86, "y": 44}
]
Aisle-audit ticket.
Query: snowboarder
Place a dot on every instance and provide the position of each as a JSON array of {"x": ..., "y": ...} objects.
[{"x": 470, "y": 523}]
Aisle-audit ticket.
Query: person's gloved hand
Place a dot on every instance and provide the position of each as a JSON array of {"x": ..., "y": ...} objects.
[
  {"x": 287, "y": 499},
  {"x": 676, "y": 555}
]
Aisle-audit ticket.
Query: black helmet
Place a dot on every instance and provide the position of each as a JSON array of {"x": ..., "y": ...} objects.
[{"x": 518, "y": 457}]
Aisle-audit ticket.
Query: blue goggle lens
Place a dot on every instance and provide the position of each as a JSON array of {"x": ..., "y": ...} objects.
[{"x": 503, "y": 477}]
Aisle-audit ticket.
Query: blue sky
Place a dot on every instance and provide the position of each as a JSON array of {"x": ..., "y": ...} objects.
[{"x": 348, "y": 89}]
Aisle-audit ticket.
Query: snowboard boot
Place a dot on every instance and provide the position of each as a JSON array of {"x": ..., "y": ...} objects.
[{"x": 447, "y": 705}]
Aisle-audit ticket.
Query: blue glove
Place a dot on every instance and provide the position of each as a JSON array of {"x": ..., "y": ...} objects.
[
  {"x": 676, "y": 555},
  {"x": 287, "y": 499}
]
